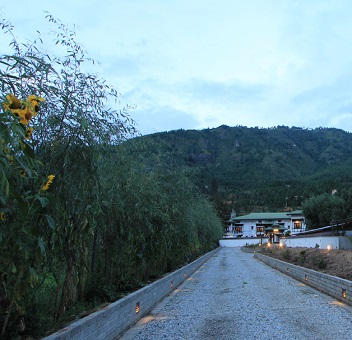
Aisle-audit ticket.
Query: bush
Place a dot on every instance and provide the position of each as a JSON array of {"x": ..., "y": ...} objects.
[
  {"x": 319, "y": 262},
  {"x": 286, "y": 254},
  {"x": 302, "y": 256}
]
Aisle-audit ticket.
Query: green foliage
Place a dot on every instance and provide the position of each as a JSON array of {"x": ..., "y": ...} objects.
[
  {"x": 302, "y": 256},
  {"x": 254, "y": 169},
  {"x": 164, "y": 217},
  {"x": 322, "y": 209},
  {"x": 286, "y": 254},
  {"x": 109, "y": 221},
  {"x": 319, "y": 262},
  {"x": 23, "y": 220}
]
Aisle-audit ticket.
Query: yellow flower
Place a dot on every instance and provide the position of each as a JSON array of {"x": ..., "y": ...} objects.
[
  {"x": 13, "y": 103},
  {"x": 24, "y": 110},
  {"x": 24, "y": 114},
  {"x": 23, "y": 173},
  {"x": 33, "y": 103},
  {"x": 29, "y": 132},
  {"x": 51, "y": 177},
  {"x": 49, "y": 181}
]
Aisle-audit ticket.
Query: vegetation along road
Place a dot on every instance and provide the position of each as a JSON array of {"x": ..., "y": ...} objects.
[{"x": 234, "y": 296}]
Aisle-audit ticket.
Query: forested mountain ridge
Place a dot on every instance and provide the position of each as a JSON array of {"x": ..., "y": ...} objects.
[{"x": 257, "y": 168}]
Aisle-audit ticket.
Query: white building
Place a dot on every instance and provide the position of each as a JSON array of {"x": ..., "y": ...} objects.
[{"x": 263, "y": 224}]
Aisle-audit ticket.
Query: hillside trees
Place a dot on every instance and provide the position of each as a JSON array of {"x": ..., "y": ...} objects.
[
  {"x": 320, "y": 210},
  {"x": 102, "y": 221}
]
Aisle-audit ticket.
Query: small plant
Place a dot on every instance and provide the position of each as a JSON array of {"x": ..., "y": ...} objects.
[
  {"x": 303, "y": 256},
  {"x": 317, "y": 245},
  {"x": 286, "y": 254},
  {"x": 252, "y": 245},
  {"x": 320, "y": 262}
]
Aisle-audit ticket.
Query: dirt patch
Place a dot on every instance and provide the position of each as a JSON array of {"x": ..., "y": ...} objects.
[{"x": 332, "y": 262}]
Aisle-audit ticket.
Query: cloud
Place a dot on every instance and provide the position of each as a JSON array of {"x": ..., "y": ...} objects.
[
  {"x": 163, "y": 119},
  {"x": 231, "y": 62},
  {"x": 222, "y": 92}
]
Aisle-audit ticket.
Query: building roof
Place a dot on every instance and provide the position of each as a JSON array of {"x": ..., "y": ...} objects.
[
  {"x": 295, "y": 212},
  {"x": 263, "y": 216}
]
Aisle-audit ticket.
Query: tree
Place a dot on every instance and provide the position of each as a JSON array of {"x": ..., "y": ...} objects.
[
  {"x": 322, "y": 209},
  {"x": 73, "y": 120}
]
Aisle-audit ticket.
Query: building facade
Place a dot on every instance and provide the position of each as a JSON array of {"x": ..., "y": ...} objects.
[{"x": 259, "y": 224}]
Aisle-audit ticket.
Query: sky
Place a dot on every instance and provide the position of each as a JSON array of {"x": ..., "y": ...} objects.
[{"x": 196, "y": 64}]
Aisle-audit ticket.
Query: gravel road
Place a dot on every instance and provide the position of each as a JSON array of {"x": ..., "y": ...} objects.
[{"x": 234, "y": 296}]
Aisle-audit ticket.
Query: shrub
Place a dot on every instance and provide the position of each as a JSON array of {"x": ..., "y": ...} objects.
[
  {"x": 302, "y": 256},
  {"x": 319, "y": 262},
  {"x": 286, "y": 254}
]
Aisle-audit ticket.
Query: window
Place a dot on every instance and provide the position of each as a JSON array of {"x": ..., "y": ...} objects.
[
  {"x": 260, "y": 230},
  {"x": 297, "y": 224},
  {"x": 238, "y": 230}
]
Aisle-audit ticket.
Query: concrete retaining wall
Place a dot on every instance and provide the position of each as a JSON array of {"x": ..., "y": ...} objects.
[
  {"x": 120, "y": 315},
  {"x": 312, "y": 241},
  {"x": 241, "y": 242},
  {"x": 334, "y": 242},
  {"x": 331, "y": 285}
]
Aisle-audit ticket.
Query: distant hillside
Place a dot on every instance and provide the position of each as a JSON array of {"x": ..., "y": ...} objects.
[{"x": 255, "y": 168}]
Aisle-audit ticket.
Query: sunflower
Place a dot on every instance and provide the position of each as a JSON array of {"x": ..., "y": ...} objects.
[
  {"x": 33, "y": 103},
  {"x": 49, "y": 181},
  {"x": 24, "y": 110},
  {"x": 13, "y": 103}
]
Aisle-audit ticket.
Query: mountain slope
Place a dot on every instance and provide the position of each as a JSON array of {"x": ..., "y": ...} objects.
[{"x": 256, "y": 168}]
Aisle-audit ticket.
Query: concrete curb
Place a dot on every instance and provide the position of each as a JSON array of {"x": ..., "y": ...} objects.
[
  {"x": 334, "y": 286},
  {"x": 117, "y": 317}
]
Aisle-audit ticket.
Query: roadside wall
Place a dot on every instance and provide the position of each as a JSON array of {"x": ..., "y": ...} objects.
[
  {"x": 241, "y": 242},
  {"x": 117, "y": 317},
  {"x": 345, "y": 242},
  {"x": 336, "y": 287},
  {"x": 312, "y": 241},
  {"x": 334, "y": 242}
]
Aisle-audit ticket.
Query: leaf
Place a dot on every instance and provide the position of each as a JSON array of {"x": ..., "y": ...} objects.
[
  {"x": 22, "y": 203},
  {"x": 28, "y": 150},
  {"x": 4, "y": 132},
  {"x": 41, "y": 245},
  {"x": 4, "y": 188},
  {"x": 51, "y": 221},
  {"x": 14, "y": 269},
  {"x": 43, "y": 201}
]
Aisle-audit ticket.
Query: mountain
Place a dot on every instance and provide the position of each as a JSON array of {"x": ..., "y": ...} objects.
[{"x": 251, "y": 169}]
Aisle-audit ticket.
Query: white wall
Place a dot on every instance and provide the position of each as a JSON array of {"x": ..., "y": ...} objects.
[
  {"x": 311, "y": 242},
  {"x": 335, "y": 242},
  {"x": 240, "y": 242}
]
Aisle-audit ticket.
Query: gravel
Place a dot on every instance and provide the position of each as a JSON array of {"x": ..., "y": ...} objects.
[{"x": 234, "y": 296}]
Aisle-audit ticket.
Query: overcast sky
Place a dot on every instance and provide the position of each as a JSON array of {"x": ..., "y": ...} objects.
[{"x": 195, "y": 64}]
